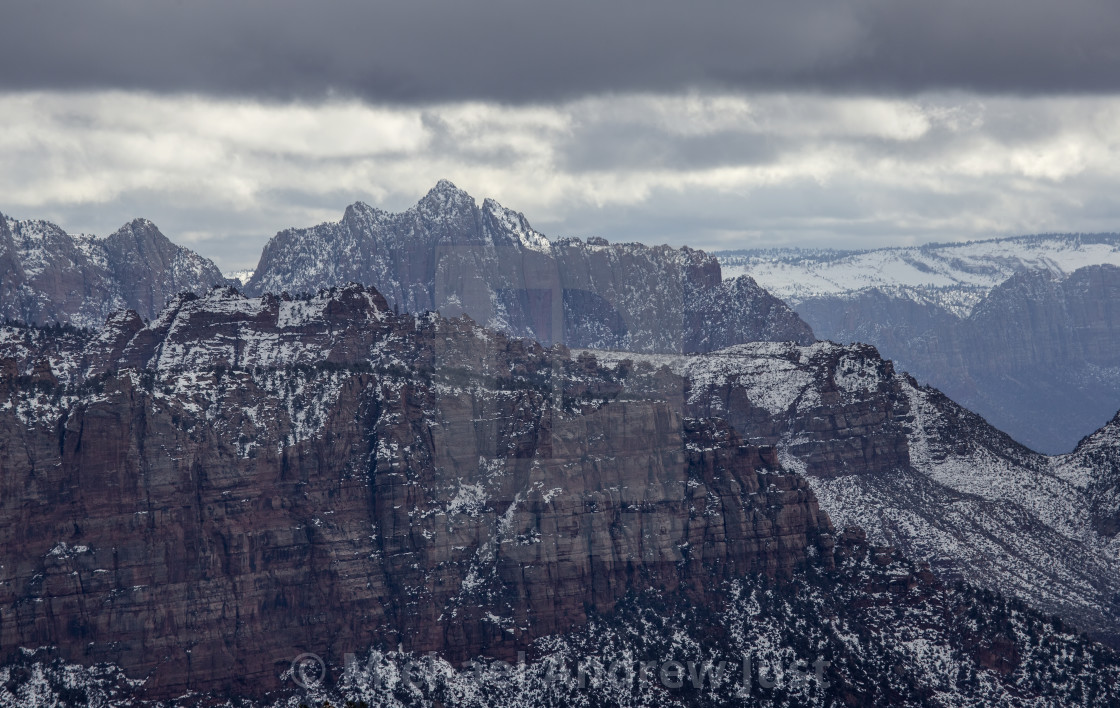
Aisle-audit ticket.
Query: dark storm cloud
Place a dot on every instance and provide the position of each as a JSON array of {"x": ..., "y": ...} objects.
[{"x": 511, "y": 50}]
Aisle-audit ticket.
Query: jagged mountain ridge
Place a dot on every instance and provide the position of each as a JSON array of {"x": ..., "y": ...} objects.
[
  {"x": 199, "y": 498},
  {"x": 47, "y": 275},
  {"x": 447, "y": 254}
]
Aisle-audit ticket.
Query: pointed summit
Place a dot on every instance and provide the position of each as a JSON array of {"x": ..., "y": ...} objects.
[
  {"x": 151, "y": 268},
  {"x": 445, "y": 186},
  {"x": 443, "y": 198},
  {"x": 136, "y": 267},
  {"x": 142, "y": 241},
  {"x": 140, "y": 223},
  {"x": 361, "y": 213}
]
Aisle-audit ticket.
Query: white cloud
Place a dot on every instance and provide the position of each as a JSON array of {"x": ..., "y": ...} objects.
[{"x": 712, "y": 170}]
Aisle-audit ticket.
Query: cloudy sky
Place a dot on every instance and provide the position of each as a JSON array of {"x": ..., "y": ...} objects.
[{"x": 842, "y": 123}]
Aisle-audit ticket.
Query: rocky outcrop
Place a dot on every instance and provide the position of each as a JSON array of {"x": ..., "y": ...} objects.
[
  {"x": 921, "y": 473},
  {"x": 48, "y": 276},
  {"x": 447, "y": 254},
  {"x": 199, "y": 499},
  {"x": 1095, "y": 467},
  {"x": 1037, "y": 357},
  {"x": 151, "y": 269}
]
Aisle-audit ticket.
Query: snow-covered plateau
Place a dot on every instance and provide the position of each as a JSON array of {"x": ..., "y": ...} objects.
[{"x": 954, "y": 276}]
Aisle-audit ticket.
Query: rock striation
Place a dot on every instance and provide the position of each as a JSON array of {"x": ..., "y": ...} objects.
[
  {"x": 201, "y": 498},
  {"x": 864, "y": 626},
  {"x": 450, "y": 255},
  {"x": 194, "y": 501}
]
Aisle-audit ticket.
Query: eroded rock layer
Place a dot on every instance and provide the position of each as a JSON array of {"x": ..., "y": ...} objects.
[{"x": 199, "y": 499}]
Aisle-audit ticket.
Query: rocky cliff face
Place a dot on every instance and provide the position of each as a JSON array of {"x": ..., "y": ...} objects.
[
  {"x": 447, "y": 254},
  {"x": 873, "y": 629},
  {"x": 1094, "y": 466},
  {"x": 1037, "y": 357},
  {"x": 199, "y": 499},
  {"x": 876, "y": 631},
  {"x": 47, "y": 275},
  {"x": 919, "y": 472}
]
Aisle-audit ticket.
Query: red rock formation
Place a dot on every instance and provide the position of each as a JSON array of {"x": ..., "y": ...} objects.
[{"x": 202, "y": 499}]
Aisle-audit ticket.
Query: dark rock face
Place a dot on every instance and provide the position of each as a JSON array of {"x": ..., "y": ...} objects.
[
  {"x": 867, "y": 628},
  {"x": 151, "y": 269},
  {"x": 447, "y": 254},
  {"x": 990, "y": 649},
  {"x": 919, "y": 472},
  {"x": 48, "y": 276},
  {"x": 834, "y": 425},
  {"x": 1095, "y": 465},
  {"x": 1037, "y": 357},
  {"x": 200, "y": 499}
]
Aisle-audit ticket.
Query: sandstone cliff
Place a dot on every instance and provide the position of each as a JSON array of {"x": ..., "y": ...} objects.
[
  {"x": 919, "y": 472},
  {"x": 199, "y": 499},
  {"x": 195, "y": 501}
]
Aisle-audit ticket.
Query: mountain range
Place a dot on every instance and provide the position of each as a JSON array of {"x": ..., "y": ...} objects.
[
  {"x": 191, "y": 503},
  {"x": 444, "y": 254},
  {"x": 955, "y": 276},
  {"x": 1020, "y": 330},
  {"x": 47, "y": 275},
  {"x": 450, "y": 255},
  {"x": 495, "y": 447}
]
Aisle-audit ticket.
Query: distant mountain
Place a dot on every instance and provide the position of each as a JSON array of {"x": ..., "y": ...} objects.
[
  {"x": 954, "y": 276},
  {"x": 1038, "y": 357},
  {"x": 1018, "y": 330},
  {"x": 240, "y": 276},
  {"x": 447, "y": 254},
  {"x": 189, "y": 504},
  {"x": 48, "y": 276}
]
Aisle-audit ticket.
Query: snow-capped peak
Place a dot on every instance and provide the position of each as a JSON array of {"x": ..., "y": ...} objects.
[{"x": 241, "y": 276}]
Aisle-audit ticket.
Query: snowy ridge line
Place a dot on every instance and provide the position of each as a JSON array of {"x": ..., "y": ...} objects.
[
  {"x": 51, "y": 276},
  {"x": 936, "y": 272},
  {"x": 449, "y": 254}
]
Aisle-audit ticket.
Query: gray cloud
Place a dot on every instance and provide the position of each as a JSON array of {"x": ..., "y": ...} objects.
[
  {"x": 515, "y": 51},
  {"x": 614, "y": 146},
  {"x": 710, "y": 170}
]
